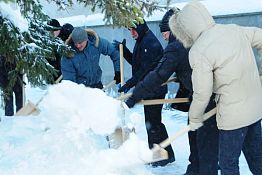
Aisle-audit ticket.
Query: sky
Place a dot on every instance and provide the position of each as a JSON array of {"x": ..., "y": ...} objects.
[{"x": 69, "y": 135}]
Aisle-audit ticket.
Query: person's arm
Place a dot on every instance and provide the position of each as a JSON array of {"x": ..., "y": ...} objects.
[
  {"x": 202, "y": 80},
  {"x": 154, "y": 79},
  {"x": 126, "y": 52},
  {"x": 107, "y": 48},
  {"x": 68, "y": 69},
  {"x": 254, "y": 35}
]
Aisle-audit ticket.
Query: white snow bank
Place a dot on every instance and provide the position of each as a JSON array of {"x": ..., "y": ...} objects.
[{"x": 68, "y": 137}]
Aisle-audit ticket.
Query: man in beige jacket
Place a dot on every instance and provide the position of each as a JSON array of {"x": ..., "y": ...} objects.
[{"x": 223, "y": 62}]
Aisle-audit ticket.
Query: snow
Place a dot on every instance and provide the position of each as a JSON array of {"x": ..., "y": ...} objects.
[
  {"x": 69, "y": 136},
  {"x": 14, "y": 15}
]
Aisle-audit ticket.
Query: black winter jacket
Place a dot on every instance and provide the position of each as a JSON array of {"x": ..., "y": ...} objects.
[
  {"x": 146, "y": 55},
  {"x": 175, "y": 59}
]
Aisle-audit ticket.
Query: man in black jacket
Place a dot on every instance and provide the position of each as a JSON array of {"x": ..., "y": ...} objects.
[
  {"x": 203, "y": 142},
  {"x": 146, "y": 55}
]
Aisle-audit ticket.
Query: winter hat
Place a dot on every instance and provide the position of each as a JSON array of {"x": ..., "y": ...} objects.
[
  {"x": 164, "y": 22},
  {"x": 55, "y": 24},
  {"x": 66, "y": 31},
  {"x": 79, "y": 35},
  {"x": 141, "y": 28}
]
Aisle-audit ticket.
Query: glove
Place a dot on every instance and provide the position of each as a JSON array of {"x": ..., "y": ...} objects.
[
  {"x": 117, "y": 43},
  {"x": 125, "y": 88},
  {"x": 195, "y": 125},
  {"x": 130, "y": 102},
  {"x": 117, "y": 77}
]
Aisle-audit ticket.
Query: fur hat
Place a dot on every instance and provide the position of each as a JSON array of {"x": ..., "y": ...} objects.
[{"x": 79, "y": 35}]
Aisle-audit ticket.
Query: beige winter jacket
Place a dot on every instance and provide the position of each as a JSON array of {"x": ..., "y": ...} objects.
[{"x": 223, "y": 62}]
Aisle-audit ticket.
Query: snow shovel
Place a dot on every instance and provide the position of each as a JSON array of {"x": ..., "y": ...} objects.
[
  {"x": 31, "y": 108},
  {"x": 121, "y": 134},
  {"x": 159, "y": 153},
  {"x": 109, "y": 85}
]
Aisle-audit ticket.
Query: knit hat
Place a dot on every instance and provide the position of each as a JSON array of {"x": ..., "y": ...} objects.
[
  {"x": 66, "y": 30},
  {"x": 79, "y": 35},
  {"x": 164, "y": 22},
  {"x": 54, "y": 24}
]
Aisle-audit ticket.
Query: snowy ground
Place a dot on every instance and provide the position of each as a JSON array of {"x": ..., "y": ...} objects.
[{"x": 68, "y": 137}]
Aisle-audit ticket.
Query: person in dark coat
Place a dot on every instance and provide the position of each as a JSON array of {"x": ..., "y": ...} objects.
[
  {"x": 83, "y": 67},
  {"x": 203, "y": 142},
  {"x": 6, "y": 68},
  {"x": 144, "y": 58},
  {"x": 62, "y": 32}
]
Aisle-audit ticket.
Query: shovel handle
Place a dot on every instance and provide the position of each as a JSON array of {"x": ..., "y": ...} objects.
[
  {"x": 162, "y": 101},
  {"x": 109, "y": 85},
  {"x": 173, "y": 79},
  {"x": 168, "y": 141}
]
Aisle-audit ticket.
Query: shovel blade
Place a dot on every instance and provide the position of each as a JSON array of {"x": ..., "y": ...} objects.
[
  {"x": 159, "y": 153},
  {"x": 120, "y": 135},
  {"x": 28, "y": 109}
]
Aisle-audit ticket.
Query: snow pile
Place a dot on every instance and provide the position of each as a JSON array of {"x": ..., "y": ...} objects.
[
  {"x": 69, "y": 137},
  {"x": 14, "y": 15}
]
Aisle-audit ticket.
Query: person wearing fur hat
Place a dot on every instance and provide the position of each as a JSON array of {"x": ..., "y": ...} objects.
[
  {"x": 145, "y": 56},
  {"x": 223, "y": 63},
  {"x": 83, "y": 67}
]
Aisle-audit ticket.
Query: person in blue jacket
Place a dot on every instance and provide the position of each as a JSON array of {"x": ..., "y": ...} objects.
[
  {"x": 204, "y": 141},
  {"x": 83, "y": 66},
  {"x": 144, "y": 58}
]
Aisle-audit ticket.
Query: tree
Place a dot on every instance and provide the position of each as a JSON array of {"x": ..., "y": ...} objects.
[
  {"x": 29, "y": 49},
  {"x": 118, "y": 12}
]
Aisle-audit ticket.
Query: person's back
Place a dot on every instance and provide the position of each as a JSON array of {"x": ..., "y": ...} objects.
[
  {"x": 228, "y": 48},
  {"x": 223, "y": 62}
]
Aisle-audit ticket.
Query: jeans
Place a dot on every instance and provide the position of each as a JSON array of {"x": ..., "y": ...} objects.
[{"x": 231, "y": 142}]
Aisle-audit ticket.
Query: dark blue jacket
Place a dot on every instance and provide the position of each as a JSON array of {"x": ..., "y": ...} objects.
[
  {"x": 146, "y": 54},
  {"x": 83, "y": 67},
  {"x": 175, "y": 59}
]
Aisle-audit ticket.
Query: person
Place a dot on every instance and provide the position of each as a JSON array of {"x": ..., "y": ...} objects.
[
  {"x": 62, "y": 32},
  {"x": 145, "y": 56},
  {"x": 6, "y": 68},
  {"x": 83, "y": 67},
  {"x": 57, "y": 30},
  {"x": 223, "y": 63},
  {"x": 204, "y": 142}
]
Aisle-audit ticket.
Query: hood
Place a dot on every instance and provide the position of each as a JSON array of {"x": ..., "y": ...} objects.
[
  {"x": 190, "y": 22},
  {"x": 141, "y": 29}
]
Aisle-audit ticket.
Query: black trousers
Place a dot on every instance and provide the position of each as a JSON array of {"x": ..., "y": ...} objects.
[
  {"x": 156, "y": 130},
  {"x": 17, "y": 90}
]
